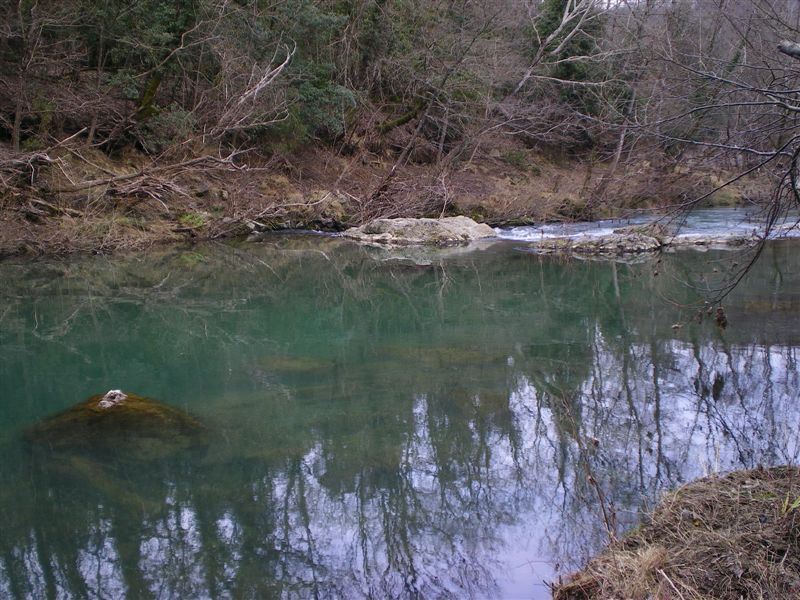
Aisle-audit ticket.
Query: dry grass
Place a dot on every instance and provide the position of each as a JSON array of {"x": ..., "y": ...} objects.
[
  {"x": 76, "y": 199},
  {"x": 726, "y": 538}
]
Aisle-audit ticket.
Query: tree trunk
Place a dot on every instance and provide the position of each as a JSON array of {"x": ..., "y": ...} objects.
[{"x": 16, "y": 131}]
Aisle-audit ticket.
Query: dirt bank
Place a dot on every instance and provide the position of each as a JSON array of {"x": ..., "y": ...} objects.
[
  {"x": 77, "y": 199},
  {"x": 724, "y": 538}
]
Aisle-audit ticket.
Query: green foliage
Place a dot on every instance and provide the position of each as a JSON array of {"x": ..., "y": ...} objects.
[
  {"x": 790, "y": 505},
  {"x": 516, "y": 158},
  {"x": 520, "y": 159},
  {"x": 120, "y": 34},
  {"x": 373, "y": 41},
  {"x": 323, "y": 105},
  {"x": 165, "y": 128},
  {"x": 157, "y": 72},
  {"x": 193, "y": 220},
  {"x": 312, "y": 23},
  {"x": 318, "y": 101}
]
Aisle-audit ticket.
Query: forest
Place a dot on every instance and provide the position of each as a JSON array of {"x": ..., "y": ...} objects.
[{"x": 323, "y": 113}]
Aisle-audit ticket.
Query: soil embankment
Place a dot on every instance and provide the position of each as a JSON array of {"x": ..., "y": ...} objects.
[{"x": 77, "y": 199}]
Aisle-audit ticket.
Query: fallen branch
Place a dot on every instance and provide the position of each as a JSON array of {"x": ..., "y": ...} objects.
[
  {"x": 151, "y": 171},
  {"x": 57, "y": 209}
]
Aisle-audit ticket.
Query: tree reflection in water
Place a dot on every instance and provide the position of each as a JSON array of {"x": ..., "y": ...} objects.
[{"x": 383, "y": 428}]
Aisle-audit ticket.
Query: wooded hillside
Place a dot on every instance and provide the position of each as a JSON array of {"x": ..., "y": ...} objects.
[{"x": 638, "y": 92}]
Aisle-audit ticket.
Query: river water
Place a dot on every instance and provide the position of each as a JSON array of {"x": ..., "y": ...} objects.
[
  {"x": 716, "y": 221},
  {"x": 463, "y": 423}
]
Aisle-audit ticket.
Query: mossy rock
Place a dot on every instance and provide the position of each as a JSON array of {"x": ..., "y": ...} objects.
[{"x": 136, "y": 429}]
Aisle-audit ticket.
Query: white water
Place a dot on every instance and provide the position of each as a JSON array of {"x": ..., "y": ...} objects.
[{"x": 721, "y": 222}]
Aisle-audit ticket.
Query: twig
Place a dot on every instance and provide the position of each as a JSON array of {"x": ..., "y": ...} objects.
[{"x": 672, "y": 585}]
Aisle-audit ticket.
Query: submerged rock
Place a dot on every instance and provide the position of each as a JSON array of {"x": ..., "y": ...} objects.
[
  {"x": 448, "y": 230},
  {"x": 120, "y": 425}
]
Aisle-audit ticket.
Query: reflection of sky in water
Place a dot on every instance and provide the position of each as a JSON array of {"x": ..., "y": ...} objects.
[
  {"x": 467, "y": 477},
  {"x": 99, "y": 563},
  {"x": 516, "y": 515}
]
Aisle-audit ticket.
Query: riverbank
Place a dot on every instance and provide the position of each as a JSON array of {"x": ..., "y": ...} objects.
[
  {"x": 730, "y": 537},
  {"x": 74, "y": 199}
]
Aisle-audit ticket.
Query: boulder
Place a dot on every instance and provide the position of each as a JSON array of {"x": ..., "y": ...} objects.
[
  {"x": 445, "y": 231},
  {"x": 120, "y": 425}
]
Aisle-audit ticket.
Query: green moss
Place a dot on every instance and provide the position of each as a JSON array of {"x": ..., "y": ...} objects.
[
  {"x": 725, "y": 197},
  {"x": 136, "y": 429},
  {"x": 147, "y": 107},
  {"x": 521, "y": 160},
  {"x": 193, "y": 220}
]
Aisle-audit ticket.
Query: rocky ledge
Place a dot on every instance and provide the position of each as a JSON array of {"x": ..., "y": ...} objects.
[
  {"x": 615, "y": 244},
  {"x": 638, "y": 240},
  {"x": 403, "y": 232},
  {"x": 700, "y": 240}
]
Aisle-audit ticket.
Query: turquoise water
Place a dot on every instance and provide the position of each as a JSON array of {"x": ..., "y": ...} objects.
[{"x": 385, "y": 424}]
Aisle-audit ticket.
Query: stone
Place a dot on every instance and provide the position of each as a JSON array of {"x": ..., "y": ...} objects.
[
  {"x": 118, "y": 424},
  {"x": 112, "y": 398},
  {"x": 612, "y": 244},
  {"x": 655, "y": 230},
  {"x": 445, "y": 231},
  {"x": 637, "y": 240},
  {"x": 714, "y": 241}
]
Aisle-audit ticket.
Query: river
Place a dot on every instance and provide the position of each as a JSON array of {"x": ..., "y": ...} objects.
[{"x": 457, "y": 423}]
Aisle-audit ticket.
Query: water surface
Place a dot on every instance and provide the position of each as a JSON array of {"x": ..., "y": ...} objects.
[
  {"x": 721, "y": 222},
  {"x": 385, "y": 424}
]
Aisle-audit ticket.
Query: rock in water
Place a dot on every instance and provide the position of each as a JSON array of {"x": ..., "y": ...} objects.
[
  {"x": 615, "y": 244},
  {"x": 448, "y": 230},
  {"x": 121, "y": 425},
  {"x": 112, "y": 398},
  {"x": 637, "y": 240}
]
